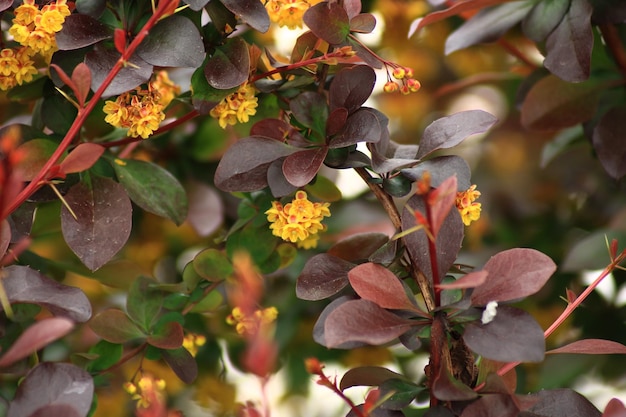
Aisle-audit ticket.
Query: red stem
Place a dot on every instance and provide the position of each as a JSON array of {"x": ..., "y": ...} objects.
[
  {"x": 432, "y": 253},
  {"x": 297, "y": 65},
  {"x": 39, "y": 179}
]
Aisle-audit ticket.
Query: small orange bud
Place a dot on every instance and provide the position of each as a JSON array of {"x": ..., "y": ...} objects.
[
  {"x": 413, "y": 85},
  {"x": 313, "y": 366},
  {"x": 405, "y": 90},
  {"x": 390, "y": 87},
  {"x": 409, "y": 72},
  {"x": 398, "y": 73}
]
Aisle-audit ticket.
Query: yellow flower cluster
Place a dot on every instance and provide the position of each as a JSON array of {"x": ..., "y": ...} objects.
[
  {"x": 248, "y": 324},
  {"x": 16, "y": 67},
  {"x": 192, "y": 342},
  {"x": 147, "y": 391},
  {"x": 465, "y": 202},
  {"x": 238, "y": 106},
  {"x": 298, "y": 221},
  {"x": 141, "y": 110},
  {"x": 405, "y": 81},
  {"x": 288, "y": 12},
  {"x": 35, "y": 28}
]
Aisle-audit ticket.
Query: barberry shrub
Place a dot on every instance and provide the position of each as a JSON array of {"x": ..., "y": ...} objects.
[{"x": 168, "y": 204}]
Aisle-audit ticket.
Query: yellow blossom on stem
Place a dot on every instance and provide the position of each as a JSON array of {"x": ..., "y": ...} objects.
[
  {"x": 246, "y": 324},
  {"x": 192, "y": 342},
  {"x": 288, "y": 12},
  {"x": 298, "y": 221},
  {"x": 468, "y": 208},
  {"x": 16, "y": 67},
  {"x": 148, "y": 392},
  {"x": 236, "y": 107}
]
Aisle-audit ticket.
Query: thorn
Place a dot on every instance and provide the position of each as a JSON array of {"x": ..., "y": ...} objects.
[{"x": 63, "y": 200}]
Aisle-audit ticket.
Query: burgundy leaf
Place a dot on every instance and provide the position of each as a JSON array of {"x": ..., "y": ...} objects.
[
  {"x": 562, "y": 403},
  {"x": 513, "y": 274},
  {"x": 441, "y": 201},
  {"x": 553, "y": 104},
  {"x": 336, "y": 121},
  {"x": 592, "y": 347},
  {"x": 359, "y": 246},
  {"x": 229, "y": 65},
  {"x": 447, "y": 388},
  {"x": 251, "y": 12},
  {"x": 451, "y": 130},
  {"x": 5, "y": 4},
  {"x": 328, "y": 21},
  {"x": 319, "y": 327},
  {"x": 615, "y": 408},
  {"x": 53, "y": 385},
  {"x": 609, "y": 144},
  {"x": 471, "y": 280},
  {"x": 492, "y": 405},
  {"x": 363, "y": 23},
  {"x": 279, "y": 186},
  {"x": 352, "y": 7},
  {"x": 371, "y": 376},
  {"x": 322, "y": 276},
  {"x": 206, "y": 209},
  {"x": 543, "y": 18},
  {"x": 82, "y": 158},
  {"x": 361, "y": 126},
  {"x": 80, "y": 30},
  {"x": 487, "y": 25},
  {"x": 363, "y": 321},
  {"x": 441, "y": 168},
  {"x": 310, "y": 109},
  {"x": 512, "y": 336},
  {"x": 570, "y": 43},
  {"x": 56, "y": 410},
  {"x": 244, "y": 165},
  {"x": 448, "y": 240},
  {"x": 271, "y": 128},
  {"x": 182, "y": 363},
  {"x": 170, "y": 336},
  {"x": 101, "y": 60},
  {"x": 35, "y": 337},
  {"x": 81, "y": 76},
  {"x": 301, "y": 167},
  {"x": 114, "y": 326},
  {"x": 103, "y": 220},
  {"x": 351, "y": 87},
  {"x": 376, "y": 283},
  {"x": 173, "y": 42},
  {"x": 25, "y": 285},
  {"x": 196, "y": 4}
]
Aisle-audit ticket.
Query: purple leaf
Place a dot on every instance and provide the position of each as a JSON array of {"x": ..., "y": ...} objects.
[
  {"x": 487, "y": 25},
  {"x": 244, "y": 165},
  {"x": 448, "y": 240},
  {"x": 103, "y": 220},
  {"x": 80, "y": 30},
  {"x": 114, "y": 326},
  {"x": 206, "y": 209},
  {"x": 328, "y": 21},
  {"x": 615, "y": 408},
  {"x": 359, "y": 246},
  {"x": 251, "y": 12},
  {"x": 83, "y": 157},
  {"x": 311, "y": 109},
  {"x": 351, "y": 87},
  {"x": 173, "y": 42},
  {"x": 512, "y": 336},
  {"x": 336, "y": 121},
  {"x": 101, "y": 60},
  {"x": 5, "y": 4},
  {"x": 363, "y": 23},
  {"x": 591, "y": 347},
  {"x": 196, "y": 5},
  {"x": 352, "y": 7},
  {"x": 543, "y": 18},
  {"x": 361, "y": 126},
  {"x": 471, "y": 280},
  {"x": 609, "y": 144},
  {"x": 169, "y": 336},
  {"x": 362, "y": 321},
  {"x": 279, "y": 186},
  {"x": 53, "y": 385},
  {"x": 553, "y": 104},
  {"x": 451, "y": 130},
  {"x": 492, "y": 405},
  {"x": 25, "y": 285},
  {"x": 35, "y": 337},
  {"x": 513, "y": 274},
  {"x": 301, "y": 167},
  {"x": 272, "y": 128},
  {"x": 447, "y": 388},
  {"x": 182, "y": 363},
  {"x": 371, "y": 376},
  {"x": 570, "y": 43},
  {"x": 562, "y": 403},
  {"x": 322, "y": 276},
  {"x": 319, "y": 330},
  {"x": 440, "y": 168},
  {"x": 376, "y": 283},
  {"x": 229, "y": 65}
]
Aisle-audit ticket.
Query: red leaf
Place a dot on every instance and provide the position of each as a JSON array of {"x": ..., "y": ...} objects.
[
  {"x": 592, "y": 347},
  {"x": 351, "y": 87},
  {"x": 376, "y": 283},
  {"x": 363, "y": 321},
  {"x": 328, "y": 21},
  {"x": 114, "y": 326},
  {"x": 447, "y": 388},
  {"x": 471, "y": 280},
  {"x": 371, "y": 376},
  {"x": 170, "y": 336},
  {"x": 82, "y": 158},
  {"x": 119, "y": 38},
  {"x": 513, "y": 274},
  {"x": 64, "y": 77},
  {"x": 322, "y": 276},
  {"x": 301, "y": 167},
  {"x": 492, "y": 405},
  {"x": 103, "y": 223},
  {"x": 361, "y": 126},
  {"x": 358, "y": 246},
  {"x": 441, "y": 200},
  {"x": 36, "y": 337},
  {"x": 615, "y": 408},
  {"x": 81, "y": 76}
]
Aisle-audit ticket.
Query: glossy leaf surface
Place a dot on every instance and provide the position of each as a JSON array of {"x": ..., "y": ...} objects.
[
  {"x": 328, "y": 21},
  {"x": 80, "y": 30},
  {"x": 301, "y": 167},
  {"x": 250, "y": 11},
  {"x": 376, "y": 283},
  {"x": 114, "y": 326},
  {"x": 323, "y": 275},
  {"x": 351, "y": 87},
  {"x": 228, "y": 67}
]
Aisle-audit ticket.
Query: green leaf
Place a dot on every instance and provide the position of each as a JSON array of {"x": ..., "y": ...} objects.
[
  {"x": 114, "y": 326},
  {"x": 324, "y": 189},
  {"x": 144, "y": 303},
  {"x": 258, "y": 242},
  {"x": 402, "y": 393},
  {"x": 58, "y": 114},
  {"x": 108, "y": 354},
  {"x": 212, "y": 265},
  {"x": 152, "y": 188},
  {"x": 209, "y": 303}
]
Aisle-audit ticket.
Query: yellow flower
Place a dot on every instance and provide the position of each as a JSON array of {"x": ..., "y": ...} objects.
[
  {"x": 298, "y": 221},
  {"x": 50, "y": 21},
  {"x": 192, "y": 342},
  {"x": 8, "y": 62},
  {"x": 16, "y": 67},
  {"x": 288, "y": 12},
  {"x": 166, "y": 88},
  {"x": 468, "y": 208},
  {"x": 25, "y": 13},
  {"x": 249, "y": 324},
  {"x": 237, "y": 107}
]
